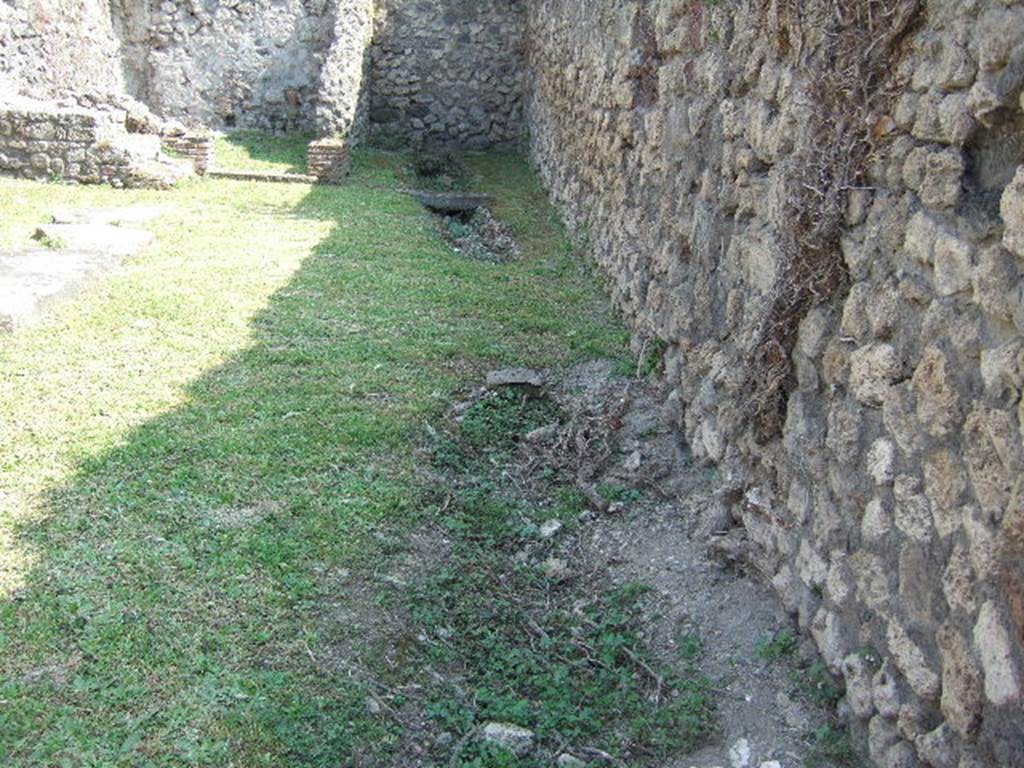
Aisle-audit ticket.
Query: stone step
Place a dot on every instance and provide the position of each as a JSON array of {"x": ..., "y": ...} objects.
[
  {"x": 281, "y": 178},
  {"x": 32, "y": 278}
]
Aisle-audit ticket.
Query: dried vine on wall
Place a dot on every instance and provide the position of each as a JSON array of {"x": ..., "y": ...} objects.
[{"x": 851, "y": 87}]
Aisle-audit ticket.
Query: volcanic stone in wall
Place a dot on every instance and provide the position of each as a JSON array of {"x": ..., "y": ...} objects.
[
  {"x": 448, "y": 73},
  {"x": 885, "y": 512},
  {"x": 252, "y": 65}
]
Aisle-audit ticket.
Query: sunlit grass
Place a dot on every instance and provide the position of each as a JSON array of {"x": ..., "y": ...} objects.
[
  {"x": 188, "y": 446},
  {"x": 254, "y": 151}
]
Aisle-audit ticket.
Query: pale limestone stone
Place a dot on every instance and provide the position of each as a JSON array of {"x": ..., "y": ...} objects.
[
  {"x": 999, "y": 31},
  {"x": 920, "y": 594},
  {"x": 886, "y": 693},
  {"x": 941, "y": 185},
  {"x": 514, "y": 738},
  {"x": 874, "y": 582},
  {"x": 844, "y": 425},
  {"x": 911, "y": 721},
  {"x": 1012, "y": 210},
  {"x": 944, "y": 484},
  {"x": 994, "y": 279},
  {"x": 913, "y": 513},
  {"x": 1002, "y": 371},
  {"x": 938, "y": 402},
  {"x": 829, "y": 634},
  {"x": 955, "y": 119},
  {"x": 958, "y": 581},
  {"x": 882, "y": 735},
  {"x": 995, "y": 649},
  {"x": 876, "y": 525},
  {"x": 881, "y": 459},
  {"x": 922, "y": 232},
  {"x": 855, "y": 323},
  {"x": 900, "y": 755},
  {"x": 914, "y": 168},
  {"x": 983, "y": 542},
  {"x": 961, "y": 682},
  {"x": 840, "y": 582},
  {"x": 952, "y": 258},
  {"x": 912, "y": 662},
  {"x": 873, "y": 370},
  {"x": 939, "y": 747},
  {"x": 810, "y": 565},
  {"x": 984, "y": 467},
  {"x": 900, "y": 419},
  {"x": 813, "y": 333},
  {"x": 857, "y": 673}
]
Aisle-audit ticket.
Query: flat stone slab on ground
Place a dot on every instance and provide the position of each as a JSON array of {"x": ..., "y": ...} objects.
[
  {"x": 271, "y": 176},
  {"x": 30, "y": 278},
  {"x": 104, "y": 238},
  {"x": 84, "y": 242},
  {"x": 450, "y": 202},
  {"x": 515, "y": 377},
  {"x": 133, "y": 214}
]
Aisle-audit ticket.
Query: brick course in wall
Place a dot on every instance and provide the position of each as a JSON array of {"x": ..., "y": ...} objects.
[{"x": 328, "y": 160}]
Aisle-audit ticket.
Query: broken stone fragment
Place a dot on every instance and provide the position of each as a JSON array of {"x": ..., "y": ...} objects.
[
  {"x": 517, "y": 740},
  {"x": 515, "y": 377},
  {"x": 550, "y": 528}
]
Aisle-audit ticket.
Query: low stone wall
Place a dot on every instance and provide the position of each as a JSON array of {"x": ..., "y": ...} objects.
[
  {"x": 198, "y": 149},
  {"x": 328, "y": 160},
  {"x": 447, "y": 73},
  {"x": 48, "y": 141},
  {"x": 887, "y": 506},
  {"x": 40, "y": 141}
]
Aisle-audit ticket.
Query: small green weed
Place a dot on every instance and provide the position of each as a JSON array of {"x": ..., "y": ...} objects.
[
  {"x": 653, "y": 357},
  {"x": 618, "y": 494},
  {"x": 441, "y": 171},
  {"x": 818, "y": 684},
  {"x": 774, "y": 647},
  {"x": 832, "y": 749},
  {"x": 690, "y": 647},
  {"x": 526, "y": 651},
  {"x": 496, "y": 423}
]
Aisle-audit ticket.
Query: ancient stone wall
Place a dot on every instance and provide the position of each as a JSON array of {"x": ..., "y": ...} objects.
[
  {"x": 51, "y": 49},
  {"x": 252, "y": 65},
  {"x": 697, "y": 146},
  {"x": 447, "y": 73},
  {"x": 342, "y": 98},
  {"x": 45, "y": 140}
]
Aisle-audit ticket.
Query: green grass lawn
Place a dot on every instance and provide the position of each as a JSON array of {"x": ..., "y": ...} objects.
[
  {"x": 255, "y": 151},
  {"x": 190, "y": 448}
]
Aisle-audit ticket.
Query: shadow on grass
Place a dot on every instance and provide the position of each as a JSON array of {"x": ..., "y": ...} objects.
[{"x": 170, "y": 617}]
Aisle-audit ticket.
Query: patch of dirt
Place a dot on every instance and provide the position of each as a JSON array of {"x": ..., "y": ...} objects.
[
  {"x": 661, "y": 540},
  {"x": 480, "y": 236},
  {"x": 244, "y": 517},
  {"x": 648, "y": 518}
]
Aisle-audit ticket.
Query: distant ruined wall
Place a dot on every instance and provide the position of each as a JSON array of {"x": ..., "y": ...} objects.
[
  {"x": 448, "y": 72},
  {"x": 885, "y": 502},
  {"x": 439, "y": 72},
  {"x": 342, "y": 101},
  {"x": 51, "y": 48},
  {"x": 224, "y": 64}
]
